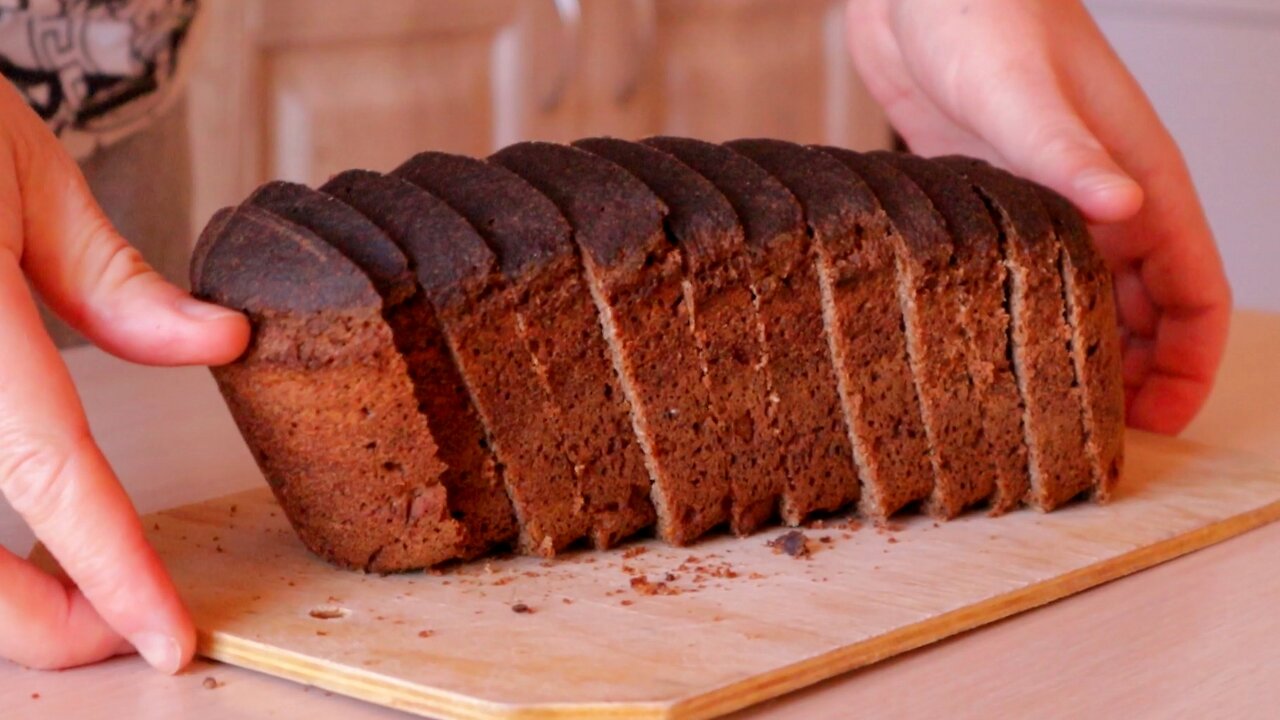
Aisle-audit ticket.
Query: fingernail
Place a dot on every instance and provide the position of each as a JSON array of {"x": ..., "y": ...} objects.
[
  {"x": 197, "y": 310},
  {"x": 1101, "y": 181},
  {"x": 159, "y": 650}
]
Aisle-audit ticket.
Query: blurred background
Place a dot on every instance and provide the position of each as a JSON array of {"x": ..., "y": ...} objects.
[{"x": 300, "y": 89}]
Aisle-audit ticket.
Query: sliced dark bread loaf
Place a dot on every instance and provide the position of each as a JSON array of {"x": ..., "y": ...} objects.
[
  {"x": 821, "y": 475},
  {"x": 635, "y": 276},
  {"x": 1052, "y": 423},
  {"x": 560, "y": 327},
  {"x": 851, "y": 234},
  {"x": 717, "y": 290},
  {"x": 323, "y": 398},
  {"x": 979, "y": 275},
  {"x": 474, "y": 480},
  {"x": 461, "y": 282},
  {"x": 1095, "y": 345},
  {"x": 936, "y": 344}
]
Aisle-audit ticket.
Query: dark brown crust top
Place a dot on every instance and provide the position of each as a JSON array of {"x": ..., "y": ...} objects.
[
  {"x": 520, "y": 224},
  {"x": 701, "y": 218},
  {"x": 344, "y": 228},
  {"x": 614, "y": 216},
  {"x": 450, "y": 260},
  {"x": 836, "y": 202},
  {"x": 952, "y": 195},
  {"x": 921, "y": 228},
  {"x": 766, "y": 208},
  {"x": 1015, "y": 197},
  {"x": 252, "y": 260}
]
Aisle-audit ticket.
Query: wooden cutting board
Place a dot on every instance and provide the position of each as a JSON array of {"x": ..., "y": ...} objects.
[{"x": 649, "y": 631}]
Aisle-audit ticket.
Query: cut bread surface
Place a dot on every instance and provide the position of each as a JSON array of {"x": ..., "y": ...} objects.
[
  {"x": 570, "y": 342},
  {"x": 821, "y": 475},
  {"x": 559, "y": 326},
  {"x": 635, "y": 276},
  {"x": 717, "y": 292},
  {"x": 855, "y": 265}
]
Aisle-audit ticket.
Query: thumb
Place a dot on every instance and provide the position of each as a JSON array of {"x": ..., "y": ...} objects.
[{"x": 93, "y": 278}]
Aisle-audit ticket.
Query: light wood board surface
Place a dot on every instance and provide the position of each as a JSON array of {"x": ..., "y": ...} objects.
[{"x": 744, "y": 623}]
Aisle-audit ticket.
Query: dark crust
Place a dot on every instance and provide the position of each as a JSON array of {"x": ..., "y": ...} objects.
[
  {"x": 705, "y": 227},
  {"x": 614, "y": 216},
  {"x": 835, "y": 201},
  {"x": 450, "y": 260},
  {"x": 921, "y": 228},
  {"x": 978, "y": 273},
  {"x": 864, "y": 327},
  {"x": 344, "y": 228},
  {"x": 1053, "y": 422},
  {"x": 254, "y": 261},
  {"x": 1096, "y": 343},
  {"x": 447, "y": 256},
  {"x": 817, "y": 451},
  {"x": 940, "y": 351},
  {"x": 521, "y": 225},
  {"x": 699, "y": 215},
  {"x": 766, "y": 208}
]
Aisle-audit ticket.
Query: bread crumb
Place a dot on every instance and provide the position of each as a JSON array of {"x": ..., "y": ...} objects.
[
  {"x": 426, "y": 633},
  {"x": 627, "y": 603},
  {"x": 793, "y": 543},
  {"x": 634, "y": 552},
  {"x": 566, "y": 601},
  {"x": 211, "y": 683},
  {"x": 522, "y": 608},
  {"x": 893, "y": 539},
  {"x": 35, "y": 696}
]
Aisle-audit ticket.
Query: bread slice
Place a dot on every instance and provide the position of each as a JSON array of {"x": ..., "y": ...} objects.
[
  {"x": 635, "y": 276},
  {"x": 716, "y": 286},
  {"x": 559, "y": 325},
  {"x": 323, "y": 398},
  {"x": 1052, "y": 423},
  {"x": 406, "y": 214},
  {"x": 930, "y": 305},
  {"x": 1095, "y": 341},
  {"x": 854, "y": 244},
  {"x": 461, "y": 281},
  {"x": 979, "y": 275},
  {"x": 821, "y": 475}
]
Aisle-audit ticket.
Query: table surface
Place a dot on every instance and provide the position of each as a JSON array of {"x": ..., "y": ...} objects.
[{"x": 1196, "y": 636}]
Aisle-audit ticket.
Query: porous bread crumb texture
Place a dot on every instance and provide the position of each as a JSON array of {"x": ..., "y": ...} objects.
[
  {"x": 583, "y": 397},
  {"x": 811, "y": 430},
  {"x": 521, "y": 419},
  {"x": 733, "y": 359},
  {"x": 477, "y": 496},
  {"x": 559, "y": 324},
  {"x": 326, "y": 406},
  {"x": 1095, "y": 347},
  {"x": 646, "y": 323},
  {"x": 865, "y": 329}
]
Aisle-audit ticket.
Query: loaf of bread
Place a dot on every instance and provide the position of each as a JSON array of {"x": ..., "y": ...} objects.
[{"x": 571, "y": 343}]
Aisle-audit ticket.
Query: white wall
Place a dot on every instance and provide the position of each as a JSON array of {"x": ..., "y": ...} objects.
[{"x": 1212, "y": 68}]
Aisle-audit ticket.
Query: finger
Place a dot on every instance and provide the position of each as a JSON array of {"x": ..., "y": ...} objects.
[
  {"x": 89, "y": 275},
  {"x": 48, "y": 625},
  {"x": 878, "y": 59},
  {"x": 1010, "y": 95},
  {"x": 54, "y": 476}
]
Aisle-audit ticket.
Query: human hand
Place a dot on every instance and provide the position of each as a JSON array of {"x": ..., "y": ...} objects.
[
  {"x": 117, "y": 595},
  {"x": 1032, "y": 86}
]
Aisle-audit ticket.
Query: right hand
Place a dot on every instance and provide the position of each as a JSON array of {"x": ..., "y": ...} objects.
[
  {"x": 1033, "y": 86},
  {"x": 117, "y": 596}
]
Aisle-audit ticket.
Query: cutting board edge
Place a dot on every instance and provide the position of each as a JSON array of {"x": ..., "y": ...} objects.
[
  {"x": 372, "y": 687},
  {"x": 758, "y": 689}
]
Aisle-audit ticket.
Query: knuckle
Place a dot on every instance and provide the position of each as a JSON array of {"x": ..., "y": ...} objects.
[{"x": 33, "y": 475}]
